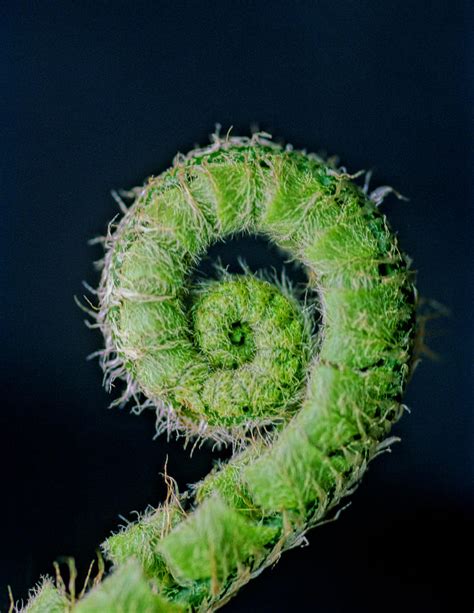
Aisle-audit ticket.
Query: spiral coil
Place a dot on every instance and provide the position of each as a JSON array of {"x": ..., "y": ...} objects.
[{"x": 236, "y": 357}]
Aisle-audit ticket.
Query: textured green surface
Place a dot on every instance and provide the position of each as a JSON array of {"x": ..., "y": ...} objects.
[
  {"x": 47, "y": 599},
  {"x": 125, "y": 591},
  {"x": 237, "y": 360},
  {"x": 212, "y": 542}
]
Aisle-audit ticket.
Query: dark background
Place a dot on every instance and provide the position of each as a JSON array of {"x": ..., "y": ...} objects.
[{"x": 98, "y": 95}]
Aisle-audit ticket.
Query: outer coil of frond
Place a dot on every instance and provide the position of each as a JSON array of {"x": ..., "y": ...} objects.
[{"x": 330, "y": 415}]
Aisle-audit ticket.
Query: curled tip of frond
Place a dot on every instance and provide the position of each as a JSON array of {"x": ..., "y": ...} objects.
[{"x": 289, "y": 471}]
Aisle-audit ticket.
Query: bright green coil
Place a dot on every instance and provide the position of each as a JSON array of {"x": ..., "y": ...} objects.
[{"x": 238, "y": 360}]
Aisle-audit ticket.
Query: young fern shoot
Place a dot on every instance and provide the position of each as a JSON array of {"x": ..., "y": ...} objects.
[{"x": 238, "y": 360}]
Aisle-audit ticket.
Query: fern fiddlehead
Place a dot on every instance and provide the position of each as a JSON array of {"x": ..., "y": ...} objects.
[{"x": 238, "y": 360}]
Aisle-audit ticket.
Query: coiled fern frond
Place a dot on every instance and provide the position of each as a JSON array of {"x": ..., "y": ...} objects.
[{"x": 239, "y": 360}]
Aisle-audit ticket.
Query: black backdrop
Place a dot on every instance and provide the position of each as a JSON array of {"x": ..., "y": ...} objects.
[{"x": 98, "y": 95}]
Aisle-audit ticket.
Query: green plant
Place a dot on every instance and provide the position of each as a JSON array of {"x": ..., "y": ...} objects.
[{"x": 238, "y": 360}]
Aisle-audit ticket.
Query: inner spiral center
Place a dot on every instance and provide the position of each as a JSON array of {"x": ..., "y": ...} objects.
[
  {"x": 238, "y": 333},
  {"x": 255, "y": 341},
  {"x": 242, "y": 342}
]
